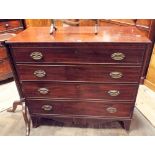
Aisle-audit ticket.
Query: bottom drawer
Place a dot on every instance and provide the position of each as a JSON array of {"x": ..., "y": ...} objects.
[{"x": 84, "y": 108}]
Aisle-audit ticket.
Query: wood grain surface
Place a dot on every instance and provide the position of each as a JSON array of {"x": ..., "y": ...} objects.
[{"x": 71, "y": 34}]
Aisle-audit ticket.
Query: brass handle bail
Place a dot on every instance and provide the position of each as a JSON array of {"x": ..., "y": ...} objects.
[
  {"x": 113, "y": 92},
  {"x": 118, "y": 56},
  {"x": 43, "y": 91},
  {"x": 36, "y": 55},
  {"x": 116, "y": 75},
  {"x": 111, "y": 110},
  {"x": 40, "y": 73},
  {"x": 47, "y": 107}
]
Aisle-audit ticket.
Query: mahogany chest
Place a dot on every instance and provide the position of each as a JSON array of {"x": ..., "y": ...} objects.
[{"x": 77, "y": 75}]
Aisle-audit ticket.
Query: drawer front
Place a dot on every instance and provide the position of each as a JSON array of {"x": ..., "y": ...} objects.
[
  {"x": 80, "y": 108},
  {"x": 78, "y": 55},
  {"x": 8, "y": 25},
  {"x": 94, "y": 73},
  {"x": 79, "y": 91},
  {"x": 3, "y": 53}
]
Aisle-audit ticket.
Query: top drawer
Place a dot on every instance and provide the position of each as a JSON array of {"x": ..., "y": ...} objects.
[
  {"x": 78, "y": 55},
  {"x": 8, "y": 25}
]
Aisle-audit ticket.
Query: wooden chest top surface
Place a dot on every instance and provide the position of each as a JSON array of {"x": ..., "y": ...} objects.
[{"x": 85, "y": 34}]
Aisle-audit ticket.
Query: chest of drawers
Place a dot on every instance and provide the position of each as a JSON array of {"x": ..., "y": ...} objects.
[
  {"x": 77, "y": 75},
  {"x": 8, "y": 28}
]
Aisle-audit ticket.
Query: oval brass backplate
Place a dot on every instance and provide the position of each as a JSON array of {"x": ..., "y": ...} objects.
[
  {"x": 111, "y": 109},
  {"x": 39, "y": 73},
  {"x": 116, "y": 75},
  {"x": 113, "y": 92},
  {"x": 47, "y": 107},
  {"x": 43, "y": 91},
  {"x": 118, "y": 56},
  {"x": 36, "y": 55}
]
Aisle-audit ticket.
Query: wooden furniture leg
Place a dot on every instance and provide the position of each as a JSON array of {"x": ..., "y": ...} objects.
[
  {"x": 26, "y": 118},
  {"x": 126, "y": 124},
  {"x": 35, "y": 121},
  {"x": 15, "y": 104}
]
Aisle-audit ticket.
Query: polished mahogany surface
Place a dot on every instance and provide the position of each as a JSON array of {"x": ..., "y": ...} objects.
[
  {"x": 97, "y": 73},
  {"x": 89, "y": 91},
  {"x": 82, "y": 54},
  {"x": 81, "y": 108},
  {"x": 81, "y": 34}
]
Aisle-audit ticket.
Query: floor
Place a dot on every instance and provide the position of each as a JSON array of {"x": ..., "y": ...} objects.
[
  {"x": 146, "y": 103},
  {"x": 8, "y": 94},
  {"x": 12, "y": 124}
]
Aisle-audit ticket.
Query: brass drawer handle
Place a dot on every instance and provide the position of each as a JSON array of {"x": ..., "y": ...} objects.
[
  {"x": 113, "y": 92},
  {"x": 40, "y": 73},
  {"x": 36, "y": 55},
  {"x": 43, "y": 91},
  {"x": 6, "y": 25},
  {"x": 116, "y": 75},
  {"x": 118, "y": 56},
  {"x": 111, "y": 110},
  {"x": 47, "y": 107}
]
